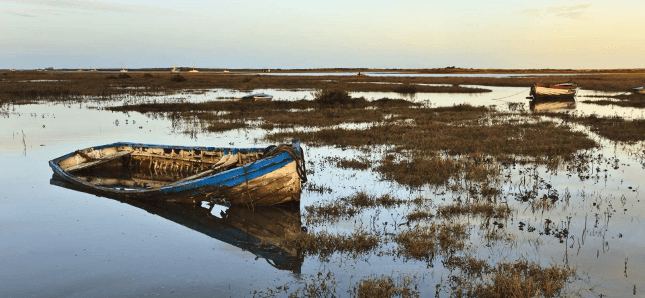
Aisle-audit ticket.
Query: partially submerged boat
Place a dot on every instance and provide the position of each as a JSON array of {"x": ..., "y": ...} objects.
[
  {"x": 235, "y": 176},
  {"x": 262, "y": 231},
  {"x": 256, "y": 97},
  {"x": 639, "y": 90},
  {"x": 554, "y": 91}
]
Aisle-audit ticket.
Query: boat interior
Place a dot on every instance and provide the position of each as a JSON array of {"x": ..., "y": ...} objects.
[{"x": 152, "y": 167}]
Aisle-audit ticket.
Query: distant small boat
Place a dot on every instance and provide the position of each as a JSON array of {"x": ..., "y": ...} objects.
[
  {"x": 639, "y": 90},
  {"x": 236, "y": 176},
  {"x": 564, "y": 90},
  {"x": 257, "y": 97},
  {"x": 194, "y": 70},
  {"x": 174, "y": 69},
  {"x": 226, "y": 71},
  {"x": 93, "y": 69},
  {"x": 79, "y": 70}
]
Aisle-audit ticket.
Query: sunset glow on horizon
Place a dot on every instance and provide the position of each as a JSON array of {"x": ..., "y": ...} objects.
[{"x": 291, "y": 34}]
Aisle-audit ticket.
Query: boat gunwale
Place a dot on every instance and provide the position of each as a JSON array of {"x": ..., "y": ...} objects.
[{"x": 228, "y": 178}]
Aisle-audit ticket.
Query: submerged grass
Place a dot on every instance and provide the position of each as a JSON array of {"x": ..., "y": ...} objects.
[
  {"x": 613, "y": 128},
  {"x": 385, "y": 286},
  {"x": 323, "y": 244},
  {"x": 518, "y": 279},
  {"x": 348, "y": 207},
  {"x": 424, "y": 242}
]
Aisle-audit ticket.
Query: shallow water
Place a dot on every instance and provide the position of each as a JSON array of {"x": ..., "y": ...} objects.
[{"x": 60, "y": 242}]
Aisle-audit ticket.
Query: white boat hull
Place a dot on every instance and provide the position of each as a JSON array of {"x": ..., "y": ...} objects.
[{"x": 550, "y": 92}]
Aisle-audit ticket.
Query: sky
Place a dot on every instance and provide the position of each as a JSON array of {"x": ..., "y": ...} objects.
[{"x": 322, "y": 34}]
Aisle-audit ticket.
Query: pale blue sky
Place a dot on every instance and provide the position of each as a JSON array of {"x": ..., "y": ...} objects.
[{"x": 299, "y": 34}]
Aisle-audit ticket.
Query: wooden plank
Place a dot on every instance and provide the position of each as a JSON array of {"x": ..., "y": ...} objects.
[{"x": 98, "y": 161}]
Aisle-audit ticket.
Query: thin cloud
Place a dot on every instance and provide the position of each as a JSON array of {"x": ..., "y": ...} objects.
[{"x": 560, "y": 11}]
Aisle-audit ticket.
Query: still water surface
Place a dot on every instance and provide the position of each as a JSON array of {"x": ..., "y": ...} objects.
[{"x": 59, "y": 242}]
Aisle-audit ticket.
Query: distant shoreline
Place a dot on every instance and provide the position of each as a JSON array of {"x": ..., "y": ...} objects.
[{"x": 448, "y": 70}]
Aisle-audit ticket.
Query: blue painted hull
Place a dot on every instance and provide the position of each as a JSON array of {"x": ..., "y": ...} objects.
[{"x": 272, "y": 179}]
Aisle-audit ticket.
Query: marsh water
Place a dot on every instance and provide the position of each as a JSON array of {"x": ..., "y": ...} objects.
[{"x": 59, "y": 242}]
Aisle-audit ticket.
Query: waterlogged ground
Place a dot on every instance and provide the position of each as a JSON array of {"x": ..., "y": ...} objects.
[{"x": 361, "y": 230}]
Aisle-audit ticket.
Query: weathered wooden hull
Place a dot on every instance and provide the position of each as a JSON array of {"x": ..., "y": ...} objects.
[
  {"x": 552, "y": 92},
  {"x": 237, "y": 176},
  {"x": 261, "y": 231}
]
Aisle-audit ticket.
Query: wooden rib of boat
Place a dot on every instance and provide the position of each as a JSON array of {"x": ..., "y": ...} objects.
[
  {"x": 551, "y": 105},
  {"x": 639, "y": 90},
  {"x": 564, "y": 90},
  {"x": 256, "y": 97},
  {"x": 261, "y": 231},
  {"x": 235, "y": 176}
]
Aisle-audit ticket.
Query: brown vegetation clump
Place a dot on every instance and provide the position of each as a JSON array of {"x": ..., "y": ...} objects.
[
  {"x": 336, "y": 97},
  {"x": 385, "y": 286},
  {"x": 519, "y": 279},
  {"x": 324, "y": 244},
  {"x": 455, "y": 132},
  {"x": 486, "y": 209},
  {"x": 424, "y": 242},
  {"x": 355, "y": 164},
  {"x": 406, "y": 89},
  {"x": 348, "y": 207},
  {"x": 433, "y": 170},
  {"x": 614, "y": 128},
  {"x": 419, "y": 215},
  {"x": 177, "y": 78}
]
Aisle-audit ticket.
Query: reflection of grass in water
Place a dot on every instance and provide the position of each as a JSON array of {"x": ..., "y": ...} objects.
[
  {"x": 614, "y": 128},
  {"x": 423, "y": 242},
  {"x": 517, "y": 279},
  {"x": 625, "y": 100},
  {"x": 323, "y": 244},
  {"x": 486, "y": 209},
  {"x": 385, "y": 286},
  {"x": 347, "y": 207}
]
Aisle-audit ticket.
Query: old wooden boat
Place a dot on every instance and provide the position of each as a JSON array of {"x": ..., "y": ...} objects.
[
  {"x": 553, "y": 91},
  {"x": 639, "y": 90},
  {"x": 256, "y": 97},
  {"x": 552, "y": 105},
  {"x": 235, "y": 176},
  {"x": 263, "y": 231}
]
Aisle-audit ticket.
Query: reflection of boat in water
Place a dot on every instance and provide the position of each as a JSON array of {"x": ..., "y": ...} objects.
[
  {"x": 257, "y": 97},
  {"x": 564, "y": 90},
  {"x": 261, "y": 231},
  {"x": 237, "y": 176},
  {"x": 551, "y": 105},
  {"x": 639, "y": 90}
]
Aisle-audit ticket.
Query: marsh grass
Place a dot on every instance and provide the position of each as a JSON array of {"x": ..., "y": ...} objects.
[
  {"x": 419, "y": 215},
  {"x": 505, "y": 279},
  {"x": 348, "y": 207},
  {"x": 424, "y": 242},
  {"x": 385, "y": 286},
  {"x": 323, "y": 244},
  {"x": 632, "y": 100},
  {"x": 355, "y": 164},
  {"x": 485, "y": 209},
  {"x": 613, "y": 128},
  {"x": 406, "y": 89}
]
